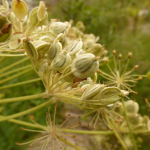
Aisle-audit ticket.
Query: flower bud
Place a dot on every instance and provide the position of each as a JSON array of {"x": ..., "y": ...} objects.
[
  {"x": 131, "y": 107},
  {"x": 92, "y": 91},
  {"x": 134, "y": 119},
  {"x": 5, "y": 4},
  {"x": 34, "y": 19},
  {"x": 61, "y": 61},
  {"x": 96, "y": 49},
  {"x": 5, "y": 29},
  {"x": 80, "y": 26},
  {"x": 41, "y": 13},
  {"x": 119, "y": 108},
  {"x": 73, "y": 47},
  {"x": 46, "y": 39},
  {"x": 19, "y": 8},
  {"x": 41, "y": 46},
  {"x": 30, "y": 49},
  {"x": 85, "y": 66},
  {"x": 58, "y": 27},
  {"x": 110, "y": 95},
  {"x": 70, "y": 77},
  {"x": 42, "y": 70},
  {"x": 54, "y": 49},
  {"x": 148, "y": 75},
  {"x": 15, "y": 41}
]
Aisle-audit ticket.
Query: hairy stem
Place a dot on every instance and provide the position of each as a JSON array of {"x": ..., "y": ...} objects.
[
  {"x": 23, "y": 98},
  {"x": 130, "y": 131}
]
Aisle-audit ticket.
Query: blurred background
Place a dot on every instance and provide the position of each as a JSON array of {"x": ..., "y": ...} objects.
[{"x": 123, "y": 25}]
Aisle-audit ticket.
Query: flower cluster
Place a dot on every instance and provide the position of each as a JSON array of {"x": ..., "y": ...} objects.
[{"x": 68, "y": 62}]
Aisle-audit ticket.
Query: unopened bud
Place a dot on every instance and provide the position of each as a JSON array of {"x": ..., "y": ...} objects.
[
  {"x": 41, "y": 13},
  {"x": 114, "y": 52},
  {"x": 148, "y": 75},
  {"x": 110, "y": 95},
  {"x": 84, "y": 66},
  {"x": 120, "y": 56},
  {"x": 19, "y": 8},
  {"x": 129, "y": 55}
]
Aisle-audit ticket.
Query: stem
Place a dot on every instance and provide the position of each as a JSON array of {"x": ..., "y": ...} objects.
[
  {"x": 130, "y": 131},
  {"x": 68, "y": 143},
  {"x": 23, "y": 98},
  {"x": 26, "y": 111},
  {"x": 15, "y": 70},
  {"x": 16, "y": 75},
  {"x": 14, "y": 64},
  {"x": 88, "y": 132},
  {"x": 12, "y": 55},
  {"x": 20, "y": 83},
  {"x": 2, "y": 59},
  {"x": 119, "y": 138}
]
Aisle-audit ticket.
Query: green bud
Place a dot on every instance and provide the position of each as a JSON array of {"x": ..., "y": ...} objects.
[
  {"x": 84, "y": 66},
  {"x": 92, "y": 91},
  {"x": 34, "y": 19},
  {"x": 61, "y": 61},
  {"x": 73, "y": 47},
  {"x": 131, "y": 107},
  {"x": 80, "y": 26},
  {"x": 134, "y": 119},
  {"x": 41, "y": 13},
  {"x": 5, "y": 4},
  {"x": 42, "y": 70},
  {"x": 5, "y": 29},
  {"x": 54, "y": 49},
  {"x": 70, "y": 77},
  {"x": 96, "y": 49},
  {"x": 41, "y": 46},
  {"x": 58, "y": 27},
  {"x": 110, "y": 95},
  {"x": 148, "y": 75},
  {"x": 119, "y": 108},
  {"x": 30, "y": 49},
  {"x": 15, "y": 41},
  {"x": 19, "y": 8}
]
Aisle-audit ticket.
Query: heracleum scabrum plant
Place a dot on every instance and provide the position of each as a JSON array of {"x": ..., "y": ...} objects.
[{"x": 68, "y": 63}]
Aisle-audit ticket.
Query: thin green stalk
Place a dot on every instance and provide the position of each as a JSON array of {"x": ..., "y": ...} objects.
[
  {"x": 2, "y": 59},
  {"x": 15, "y": 70},
  {"x": 12, "y": 55},
  {"x": 119, "y": 138},
  {"x": 14, "y": 64},
  {"x": 23, "y": 123},
  {"x": 68, "y": 143},
  {"x": 20, "y": 83},
  {"x": 130, "y": 131},
  {"x": 26, "y": 111},
  {"x": 88, "y": 132},
  {"x": 23, "y": 98},
  {"x": 16, "y": 75}
]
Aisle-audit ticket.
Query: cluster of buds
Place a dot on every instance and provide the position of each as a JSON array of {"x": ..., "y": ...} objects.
[
  {"x": 136, "y": 121},
  {"x": 68, "y": 61}
]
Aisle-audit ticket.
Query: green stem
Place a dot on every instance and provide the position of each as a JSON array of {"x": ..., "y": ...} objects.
[
  {"x": 69, "y": 130},
  {"x": 23, "y": 98},
  {"x": 15, "y": 70},
  {"x": 16, "y": 75},
  {"x": 26, "y": 111},
  {"x": 130, "y": 131},
  {"x": 68, "y": 143},
  {"x": 2, "y": 59},
  {"x": 116, "y": 134},
  {"x": 14, "y": 64},
  {"x": 20, "y": 83},
  {"x": 12, "y": 55}
]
